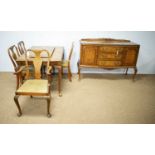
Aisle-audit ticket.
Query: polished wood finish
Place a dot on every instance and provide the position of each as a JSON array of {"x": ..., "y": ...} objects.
[
  {"x": 36, "y": 86},
  {"x": 108, "y": 54},
  {"x": 14, "y": 54},
  {"x": 66, "y": 63},
  {"x": 21, "y": 47},
  {"x": 43, "y": 55},
  {"x": 56, "y": 58}
]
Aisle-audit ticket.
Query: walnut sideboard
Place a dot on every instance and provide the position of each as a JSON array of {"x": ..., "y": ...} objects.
[{"x": 108, "y": 54}]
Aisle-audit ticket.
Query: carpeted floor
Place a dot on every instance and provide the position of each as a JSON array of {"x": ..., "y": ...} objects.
[{"x": 95, "y": 99}]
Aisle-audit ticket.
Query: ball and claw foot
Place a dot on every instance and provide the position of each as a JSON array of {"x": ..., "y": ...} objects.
[
  {"x": 49, "y": 115},
  {"x": 19, "y": 114}
]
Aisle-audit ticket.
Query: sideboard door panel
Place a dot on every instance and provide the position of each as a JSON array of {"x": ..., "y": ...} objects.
[
  {"x": 131, "y": 56},
  {"x": 88, "y": 55}
]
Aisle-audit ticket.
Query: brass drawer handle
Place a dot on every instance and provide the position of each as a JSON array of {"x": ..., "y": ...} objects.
[{"x": 117, "y": 52}]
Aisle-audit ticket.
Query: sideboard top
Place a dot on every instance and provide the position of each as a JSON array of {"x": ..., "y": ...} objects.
[{"x": 107, "y": 41}]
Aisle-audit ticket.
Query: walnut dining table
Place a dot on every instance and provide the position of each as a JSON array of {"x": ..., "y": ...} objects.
[{"x": 56, "y": 53}]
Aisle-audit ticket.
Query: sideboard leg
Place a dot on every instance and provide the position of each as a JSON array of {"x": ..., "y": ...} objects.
[
  {"x": 135, "y": 72},
  {"x": 79, "y": 70},
  {"x": 126, "y": 73},
  {"x": 79, "y": 74}
]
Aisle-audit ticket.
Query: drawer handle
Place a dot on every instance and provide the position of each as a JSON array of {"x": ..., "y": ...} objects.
[{"x": 117, "y": 52}]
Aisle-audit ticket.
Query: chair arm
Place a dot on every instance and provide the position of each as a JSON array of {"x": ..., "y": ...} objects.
[{"x": 20, "y": 69}]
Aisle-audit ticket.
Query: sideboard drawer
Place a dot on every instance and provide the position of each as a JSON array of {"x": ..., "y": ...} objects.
[
  {"x": 113, "y": 56},
  {"x": 109, "y": 63},
  {"x": 110, "y": 49},
  {"x": 110, "y": 52}
]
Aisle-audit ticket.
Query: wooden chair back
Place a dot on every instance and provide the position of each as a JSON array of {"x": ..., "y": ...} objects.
[
  {"x": 71, "y": 51},
  {"x": 37, "y": 62},
  {"x": 21, "y": 47},
  {"x": 14, "y": 54}
]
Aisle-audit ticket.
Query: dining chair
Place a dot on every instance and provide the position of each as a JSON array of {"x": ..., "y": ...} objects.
[
  {"x": 14, "y": 54},
  {"x": 21, "y": 47},
  {"x": 22, "y": 50},
  {"x": 35, "y": 86},
  {"x": 66, "y": 63}
]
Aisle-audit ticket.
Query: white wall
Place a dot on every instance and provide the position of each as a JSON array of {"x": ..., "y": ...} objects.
[{"x": 146, "y": 60}]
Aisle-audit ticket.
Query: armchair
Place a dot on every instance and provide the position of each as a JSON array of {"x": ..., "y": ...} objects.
[{"x": 35, "y": 86}]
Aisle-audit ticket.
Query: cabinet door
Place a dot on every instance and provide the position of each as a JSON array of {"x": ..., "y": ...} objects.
[
  {"x": 131, "y": 56},
  {"x": 88, "y": 55}
]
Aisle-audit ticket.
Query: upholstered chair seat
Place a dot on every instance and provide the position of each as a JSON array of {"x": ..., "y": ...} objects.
[{"x": 34, "y": 86}]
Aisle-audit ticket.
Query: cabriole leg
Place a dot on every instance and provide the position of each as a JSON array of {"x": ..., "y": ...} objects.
[
  {"x": 18, "y": 106},
  {"x": 48, "y": 107},
  {"x": 79, "y": 70},
  {"x": 135, "y": 72}
]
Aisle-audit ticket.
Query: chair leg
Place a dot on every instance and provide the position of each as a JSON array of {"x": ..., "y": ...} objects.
[
  {"x": 17, "y": 82},
  {"x": 62, "y": 71},
  {"x": 59, "y": 79},
  {"x": 53, "y": 68},
  {"x": 18, "y": 106},
  {"x": 48, "y": 107},
  {"x": 43, "y": 71},
  {"x": 22, "y": 78},
  {"x": 69, "y": 74}
]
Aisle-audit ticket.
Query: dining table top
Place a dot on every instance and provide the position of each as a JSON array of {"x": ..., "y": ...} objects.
[{"x": 56, "y": 54}]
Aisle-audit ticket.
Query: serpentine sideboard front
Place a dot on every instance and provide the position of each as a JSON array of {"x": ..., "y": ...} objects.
[{"x": 108, "y": 54}]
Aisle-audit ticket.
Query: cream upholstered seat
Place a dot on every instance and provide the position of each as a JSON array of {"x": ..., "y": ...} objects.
[
  {"x": 34, "y": 86},
  {"x": 37, "y": 86}
]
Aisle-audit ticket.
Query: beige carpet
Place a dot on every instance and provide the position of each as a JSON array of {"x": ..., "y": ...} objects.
[{"x": 94, "y": 99}]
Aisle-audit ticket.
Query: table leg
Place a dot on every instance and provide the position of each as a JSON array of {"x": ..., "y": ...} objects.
[{"x": 59, "y": 79}]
